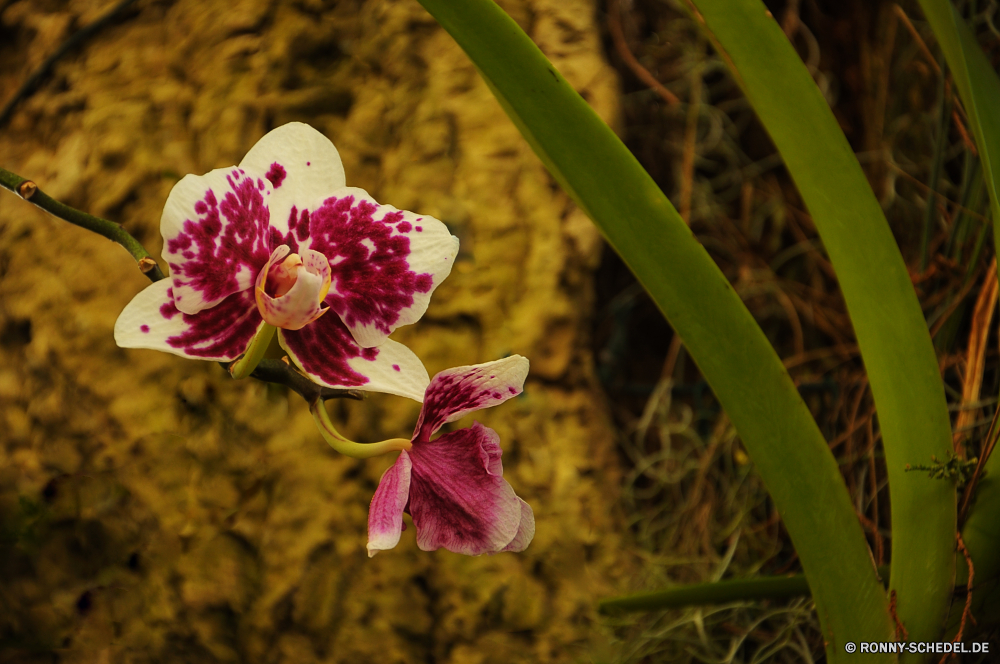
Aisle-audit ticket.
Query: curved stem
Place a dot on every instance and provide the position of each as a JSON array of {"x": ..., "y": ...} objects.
[
  {"x": 29, "y": 191},
  {"x": 244, "y": 366},
  {"x": 349, "y": 447}
]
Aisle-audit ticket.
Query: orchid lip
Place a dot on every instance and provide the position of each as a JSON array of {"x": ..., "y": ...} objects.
[{"x": 298, "y": 284}]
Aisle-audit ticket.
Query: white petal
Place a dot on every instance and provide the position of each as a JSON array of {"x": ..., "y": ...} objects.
[
  {"x": 327, "y": 353},
  {"x": 215, "y": 236},
  {"x": 221, "y": 333},
  {"x": 385, "y": 262},
  {"x": 300, "y": 163}
]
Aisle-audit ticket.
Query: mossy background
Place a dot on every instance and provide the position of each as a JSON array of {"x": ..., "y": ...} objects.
[{"x": 154, "y": 510}]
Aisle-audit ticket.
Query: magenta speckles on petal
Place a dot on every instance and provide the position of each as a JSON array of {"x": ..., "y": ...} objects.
[
  {"x": 218, "y": 250},
  {"x": 276, "y": 174},
  {"x": 222, "y": 331},
  {"x": 168, "y": 310},
  {"x": 372, "y": 282},
  {"x": 144, "y": 328},
  {"x": 404, "y": 227},
  {"x": 455, "y": 392},
  {"x": 395, "y": 367},
  {"x": 323, "y": 348}
]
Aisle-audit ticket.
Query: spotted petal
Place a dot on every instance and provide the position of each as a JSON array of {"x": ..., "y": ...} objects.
[
  {"x": 461, "y": 390},
  {"x": 459, "y": 499},
  {"x": 385, "y": 516},
  {"x": 300, "y": 163},
  {"x": 221, "y": 333},
  {"x": 215, "y": 236},
  {"x": 327, "y": 353},
  {"x": 385, "y": 263}
]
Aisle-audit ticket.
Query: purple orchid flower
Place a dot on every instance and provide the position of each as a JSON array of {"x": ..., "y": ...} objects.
[
  {"x": 279, "y": 242},
  {"x": 453, "y": 486}
]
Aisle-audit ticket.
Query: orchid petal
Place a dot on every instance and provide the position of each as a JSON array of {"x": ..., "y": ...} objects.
[
  {"x": 221, "y": 333},
  {"x": 458, "y": 391},
  {"x": 300, "y": 164},
  {"x": 459, "y": 499},
  {"x": 385, "y": 516},
  {"x": 525, "y": 530},
  {"x": 385, "y": 262},
  {"x": 301, "y": 304},
  {"x": 327, "y": 353},
  {"x": 215, "y": 236}
]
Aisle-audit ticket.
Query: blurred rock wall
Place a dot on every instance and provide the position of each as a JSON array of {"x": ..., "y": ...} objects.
[{"x": 154, "y": 510}]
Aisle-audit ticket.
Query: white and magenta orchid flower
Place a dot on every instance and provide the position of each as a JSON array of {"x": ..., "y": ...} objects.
[
  {"x": 278, "y": 242},
  {"x": 453, "y": 486}
]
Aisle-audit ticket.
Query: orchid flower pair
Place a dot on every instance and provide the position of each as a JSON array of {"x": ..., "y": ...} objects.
[{"x": 271, "y": 247}]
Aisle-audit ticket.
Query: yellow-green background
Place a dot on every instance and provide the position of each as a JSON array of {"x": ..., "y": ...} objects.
[{"x": 169, "y": 514}]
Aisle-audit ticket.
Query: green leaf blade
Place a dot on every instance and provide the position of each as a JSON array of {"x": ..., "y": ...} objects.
[
  {"x": 890, "y": 327},
  {"x": 979, "y": 88},
  {"x": 602, "y": 176}
]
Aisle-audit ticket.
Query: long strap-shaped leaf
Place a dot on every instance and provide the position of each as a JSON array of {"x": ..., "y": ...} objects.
[
  {"x": 593, "y": 165},
  {"x": 979, "y": 88},
  {"x": 890, "y": 327}
]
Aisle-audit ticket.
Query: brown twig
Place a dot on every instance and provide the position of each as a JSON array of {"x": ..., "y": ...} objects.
[
  {"x": 670, "y": 362},
  {"x": 959, "y": 112},
  {"x": 618, "y": 37},
  {"x": 967, "y": 611},
  {"x": 847, "y": 434},
  {"x": 690, "y": 141},
  {"x": 975, "y": 358},
  {"x": 931, "y": 60},
  {"x": 984, "y": 454},
  {"x": 939, "y": 323},
  {"x": 900, "y": 629},
  {"x": 846, "y": 350},
  {"x": 926, "y": 189},
  {"x": 872, "y": 527}
]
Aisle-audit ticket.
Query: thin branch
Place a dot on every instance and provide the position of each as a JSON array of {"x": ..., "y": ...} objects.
[
  {"x": 618, "y": 37},
  {"x": 74, "y": 40},
  {"x": 282, "y": 373},
  {"x": 29, "y": 191}
]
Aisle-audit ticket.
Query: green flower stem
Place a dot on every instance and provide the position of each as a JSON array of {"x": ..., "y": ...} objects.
[
  {"x": 721, "y": 592},
  {"x": 245, "y": 366},
  {"x": 349, "y": 447},
  {"x": 29, "y": 191}
]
